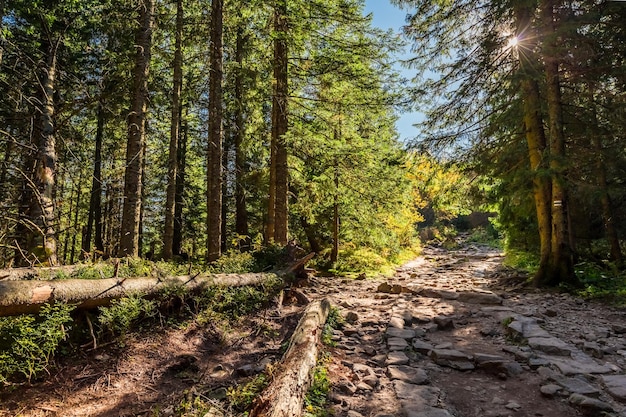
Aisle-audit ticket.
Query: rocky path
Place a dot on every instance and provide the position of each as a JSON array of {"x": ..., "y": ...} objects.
[{"x": 444, "y": 337}]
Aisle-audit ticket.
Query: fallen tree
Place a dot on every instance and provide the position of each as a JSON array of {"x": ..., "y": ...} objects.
[
  {"x": 284, "y": 397},
  {"x": 22, "y": 297}
]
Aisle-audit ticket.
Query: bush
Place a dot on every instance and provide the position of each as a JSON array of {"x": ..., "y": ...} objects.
[
  {"x": 28, "y": 342},
  {"x": 124, "y": 313}
]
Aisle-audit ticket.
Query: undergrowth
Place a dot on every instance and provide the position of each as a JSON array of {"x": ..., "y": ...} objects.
[
  {"x": 29, "y": 342},
  {"x": 317, "y": 396}
]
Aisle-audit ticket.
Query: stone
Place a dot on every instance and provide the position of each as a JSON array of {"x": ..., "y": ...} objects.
[
  {"x": 428, "y": 412},
  {"x": 576, "y": 385},
  {"x": 569, "y": 366},
  {"x": 619, "y": 328},
  {"x": 418, "y": 394},
  {"x": 593, "y": 349},
  {"x": 475, "y": 297},
  {"x": 362, "y": 369},
  {"x": 550, "y": 345},
  {"x": 214, "y": 412},
  {"x": 397, "y": 358},
  {"x": 535, "y": 363},
  {"x": 512, "y": 405},
  {"x": 384, "y": 288},
  {"x": 372, "y": 380},
  {"x": 550, "y": 390},
  {"x": 407, "y": 334},
  {"x": 353, "y": 413},
  {"x": 421, "y": 347},
  {"x": 435, "y": 293},
  {"x": 452, "y": 359},
  {"x": 397, "y": 343},
  {"x": 363, "y": 386},
  {"x": 352, "y": 317},
  {"x": 408, "y": 374},
  {"x": 616, "y": 386},
  {"x": 346, "y": 387},
  {"x": 349, "y": 330},
  {"x": 589, "y": 404},
  {"x": 444, "y": 323},
  {"x": 397, "y": 322}
]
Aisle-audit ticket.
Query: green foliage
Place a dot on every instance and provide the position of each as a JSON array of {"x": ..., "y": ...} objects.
[
  {"x": 334, "y": 321},
  {"x": 317, "y": 396},
  {"x": 524, "y": 261},
  {"x": 242, "y": 396},
  {"x": 28, "y": 342},
  {"x": 234, "y": 261},
  {"x": 123, "y": 314},
  {"x": 371, "y": 262},
  {"x": 486, "y": 235},
  {"x": 602, "y": 282}
]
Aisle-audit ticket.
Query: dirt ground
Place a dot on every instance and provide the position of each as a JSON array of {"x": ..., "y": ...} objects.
[{"x": 153, "y": 374}]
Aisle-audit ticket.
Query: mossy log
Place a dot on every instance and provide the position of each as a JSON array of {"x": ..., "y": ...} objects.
[
  {"x": 21, "y": 297},
  {"x": 27, "y": 296},
  {"x": 284, "y": 397}
]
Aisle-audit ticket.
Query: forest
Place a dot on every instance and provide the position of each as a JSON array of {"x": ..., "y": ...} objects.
[
  {"x": 173, "y": 131},
  {"x": 228, "y": 136}
]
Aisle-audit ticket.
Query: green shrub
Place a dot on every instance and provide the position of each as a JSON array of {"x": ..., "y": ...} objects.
[
  {"x": 317, "y": 396},
  {"x": 334, "y": 321},
  {"x": 242, "y": 396},
  {"x": 28, "y": 342},
  {"x": 233, "y": 262},
  {"x": 122, "y": 314}
]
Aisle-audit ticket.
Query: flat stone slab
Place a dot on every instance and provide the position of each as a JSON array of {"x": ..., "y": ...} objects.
[
  {"x": 479, "y": 297},
  {"x": 550, "y": 345},
  {"x": 427, "y": 412},
  {"x": 576, "y": 385},
  {"x": 407, "y": 334},
  {"x": 452, "y": 359},
  {"x": 418, "y": 395},
  {"x": 435, "y": 293},
  {"x": 590, "y": 405},
  {"x": 397, "y": 358},
  {"x": 421, "y": 346},
  {"x": 397, "y": 343},
  {"x": 616, "y": 386},
  {"x": 397, "y": 322},
  {"x": 408, "y": 374},
  {"x": 577, "y": 367}
]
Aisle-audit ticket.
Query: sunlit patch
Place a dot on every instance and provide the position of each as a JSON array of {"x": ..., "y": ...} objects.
[{"x": 513, "y": 42}]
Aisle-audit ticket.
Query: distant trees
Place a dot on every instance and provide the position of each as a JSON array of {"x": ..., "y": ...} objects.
[
  {"x": 518, "y": 73},
  {"x": 236, "y": 131}
]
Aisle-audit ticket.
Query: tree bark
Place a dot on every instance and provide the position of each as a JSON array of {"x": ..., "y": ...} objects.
[
  {"x": 535, "y": 138},
  {"x": 177, "y": 242},
  {"x": 172, "y": 172},
  {"x": 284, "y": 397},
  {"x": 95, "y": 198},
  {"x": 241, "y": 210},
  {"x": 216, "y": 134},
  {"x": 280, "y": 124},
  {"x": 133, "y": 177},
  {"x": 22, "y": 297},
  {"x": 561, "y": 265}
]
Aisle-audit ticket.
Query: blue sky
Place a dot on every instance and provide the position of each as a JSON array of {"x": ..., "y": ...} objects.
[{"x": 387, "y": 16}]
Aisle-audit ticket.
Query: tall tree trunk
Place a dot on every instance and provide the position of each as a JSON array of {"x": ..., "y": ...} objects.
[
  {"x": 241, "y": 210},
  {"x": 561, "y": 264},
  {"x": 133, "y": 177},
  {"x": 180, "y": 190},
  {"x": 225, "y": 195},
  {"x": 170, "y": 200},
  {"x": 95, "y": 198},
  {"x": 536, "y": 140},
  {"x": 280, "y": 123},
  {"x": 214, "y": 155},
  {"x": 600, "y": 175}
]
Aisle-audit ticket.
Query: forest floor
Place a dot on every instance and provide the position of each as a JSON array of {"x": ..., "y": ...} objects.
[{"x": 452, "y": 333}]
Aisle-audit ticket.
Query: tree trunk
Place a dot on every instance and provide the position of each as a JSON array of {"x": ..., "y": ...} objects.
[
  {"x": 536, "y": 140},
  {"x": 309, "y": 231},
  {"x": 95, "y": 198},
  {"x": 280, "y": 125},
  {"x": 284, "y": 397},
  {"x": 561, "y": 265},
  {"x": 241, "y": 210},
  {"x": 177, "y": 242},
  {"x": 214, "y": 155},
  {"x": 172, "y": 172},
  {"x": 21, "y": 297},
  {"x": 133, "y": 177},
  {"x": 600, "y": 175}
]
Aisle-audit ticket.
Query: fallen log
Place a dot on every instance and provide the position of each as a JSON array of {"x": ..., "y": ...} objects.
[
  {"x": 284, "y": 397},
  {"x": 21, "y": 297},
  {"x": 27, "y": 296}
]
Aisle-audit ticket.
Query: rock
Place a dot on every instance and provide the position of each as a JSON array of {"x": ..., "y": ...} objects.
[
  {"x": 569, "y": 366},
  {"x": 361, "y": 369},
  {"x": 444, "y": 323},
  {"x": 452, "y": 359},
  {"x": 372, "y": 380},
  {"x": 436, "y": 293},
  {"x": 353, "y": 413},
  {"x": 593, "y": 349},
  {"x": 590, "y": 405},
  {"x": 369, "y": 351},
  {"x": 619, "y": 328},
  {"x": 384, "y": 288},
  {"x": 576, "y": 385},
  {"x": 550, "y": 345},
  {"x": 397, "y": 358},
  {"x": 427, "y": 412},
  {"x": 407, "y": 334},
  {"x": 214, "y": 412},
  {"x": 418, "y": 394},
  {"x": 475, "y": 297},
  {"x": 397, "y": 343},
  {"x": 512, "y": 405},
  {"x": 616, "y": 386},
  {"x": 421, "y": 346},
  {"x": 346, "y": 387},
  {"x": 397, "y": 322},
  {"x": 408, "y": 374},
  {"x": 363, "y": 386},
  {"x": 352, "y": 317},
  {"x": 550, "y": 390},
  {"x": 535, "y": 363}
]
